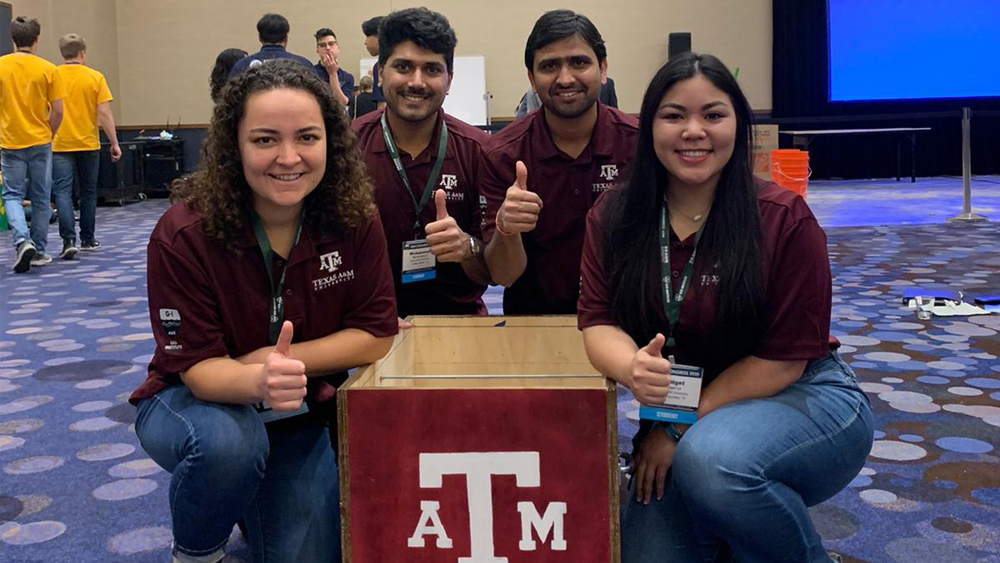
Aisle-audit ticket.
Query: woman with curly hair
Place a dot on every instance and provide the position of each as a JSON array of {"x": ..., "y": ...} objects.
[{"x": 268, "y": 278}]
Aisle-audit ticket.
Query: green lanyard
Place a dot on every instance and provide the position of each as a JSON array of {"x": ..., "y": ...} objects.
[
  {"x": 671, "y": 302},
  {"x": 418, "y": 206},
  {"x": 277, "y": 315}
]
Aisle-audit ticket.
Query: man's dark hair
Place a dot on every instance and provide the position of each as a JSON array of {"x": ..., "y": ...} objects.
[
  {"x": 324, "y": 32},
  {"x": 560, "y": 24},
  {"x": 427, "y": 29},
  {"x": 370, "y": 27},
  {"x": 24, "y": 31},
  {"x": 272, "y": 28}
]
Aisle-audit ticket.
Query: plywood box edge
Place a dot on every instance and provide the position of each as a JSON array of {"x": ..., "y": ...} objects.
[
  {"x": 343, "y": 465},
  {"x": 614, "y": 474}
]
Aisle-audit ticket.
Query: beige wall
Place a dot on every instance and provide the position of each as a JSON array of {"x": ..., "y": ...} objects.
[
  {"x": 94, "y": 20},
  {"x": 165, "y": 49}
]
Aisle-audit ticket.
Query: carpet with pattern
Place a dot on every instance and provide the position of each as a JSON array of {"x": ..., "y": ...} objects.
[{"x": 75, "y": 340}]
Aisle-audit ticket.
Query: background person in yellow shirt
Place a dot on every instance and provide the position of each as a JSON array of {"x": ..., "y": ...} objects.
[
  {"x": 76, "y": 148},
  {"x": 30, "y": 113}
]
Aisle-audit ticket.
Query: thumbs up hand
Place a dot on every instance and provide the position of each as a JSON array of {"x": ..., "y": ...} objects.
[
  {"x": 520, "y": 209},
  {"x": 649, "y": 375},
  {"x": 283, "y": 379},
  {"x": 448, "y": 242}
]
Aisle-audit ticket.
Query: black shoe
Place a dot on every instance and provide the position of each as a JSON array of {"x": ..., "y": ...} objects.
[
  {"x": 25, "y": 252},
  {"x": 90, "y": 245},
  {"x": 69, "y": 249}
]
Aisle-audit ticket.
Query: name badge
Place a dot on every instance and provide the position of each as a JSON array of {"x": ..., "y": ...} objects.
[
  {"x": 267, "y": 414},
  {"x": 418, "y": 261},
  {"x": 681, "y": 404}
]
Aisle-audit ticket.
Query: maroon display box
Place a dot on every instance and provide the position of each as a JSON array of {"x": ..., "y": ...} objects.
[{"x": 480, "y": 440}]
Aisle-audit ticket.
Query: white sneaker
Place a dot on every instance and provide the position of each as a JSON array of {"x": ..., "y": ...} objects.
[{"x": 41, "y": 259}]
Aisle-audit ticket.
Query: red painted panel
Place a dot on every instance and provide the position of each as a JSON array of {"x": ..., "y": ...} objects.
[{"x": 389, "y": 429}]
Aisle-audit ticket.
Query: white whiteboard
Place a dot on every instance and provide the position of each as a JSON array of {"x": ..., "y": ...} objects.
[{"x": 467, "y": 98}]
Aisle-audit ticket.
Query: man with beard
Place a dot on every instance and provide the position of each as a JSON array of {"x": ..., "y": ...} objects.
[
  {"x": 425, "y": 164},
  {"x": 543, "y": 172}
]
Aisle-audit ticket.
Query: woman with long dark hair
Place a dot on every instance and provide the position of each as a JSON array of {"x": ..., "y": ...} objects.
[
  {"x": 268, "y": 278},
  {"x": 220, "y": 71},
  {"x": 696, "y": 268}
]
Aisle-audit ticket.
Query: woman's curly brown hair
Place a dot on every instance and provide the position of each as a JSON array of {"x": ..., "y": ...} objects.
[{"x": 219, "y": 190}]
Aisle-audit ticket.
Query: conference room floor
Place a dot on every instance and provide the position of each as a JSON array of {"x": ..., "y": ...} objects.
[{"x": 75, "y": 340}]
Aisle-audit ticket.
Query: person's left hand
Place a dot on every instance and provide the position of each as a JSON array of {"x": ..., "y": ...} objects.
[
  {"x": 448, "y": 242},
  {"x": 330, "y": 63},
  {"x": 116, "y": 152},
  {"x": 656, "y": 455}
]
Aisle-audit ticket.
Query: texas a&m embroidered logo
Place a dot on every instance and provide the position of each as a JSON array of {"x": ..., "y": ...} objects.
[
  {"x": 609, "y": 175},
  {"x": 329, "y": 262},
  {"x": 479, "y": 468},
  {"x": 449, "y": 181},
  {"x": 450, "y": 184}
]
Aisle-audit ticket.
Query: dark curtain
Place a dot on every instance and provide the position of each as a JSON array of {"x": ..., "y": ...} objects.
[{"x": 800, "y": 82}]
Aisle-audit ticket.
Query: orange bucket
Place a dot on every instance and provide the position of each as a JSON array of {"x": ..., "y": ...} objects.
[{"x": 790, "y": 169}]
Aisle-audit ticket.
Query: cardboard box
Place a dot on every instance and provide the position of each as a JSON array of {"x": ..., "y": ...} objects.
[
  {"x": 765, "y": 139},
  {"x": 480, "y": 440}
]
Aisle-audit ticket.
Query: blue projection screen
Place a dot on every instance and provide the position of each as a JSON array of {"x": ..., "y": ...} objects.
[{"x": 914, "y": 49}]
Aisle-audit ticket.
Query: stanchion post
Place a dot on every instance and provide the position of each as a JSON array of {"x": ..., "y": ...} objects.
[
  {"x": 967, "y": 215},
  {"x": 489, "y": 110}
]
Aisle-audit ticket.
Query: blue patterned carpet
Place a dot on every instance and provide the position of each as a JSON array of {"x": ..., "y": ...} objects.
[{"x": 75, "y": 338}]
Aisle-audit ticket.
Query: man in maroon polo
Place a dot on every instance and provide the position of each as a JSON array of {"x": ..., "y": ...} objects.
[
  {"x": 543, "y": 172},
  {"x": 425, "y": 165}
]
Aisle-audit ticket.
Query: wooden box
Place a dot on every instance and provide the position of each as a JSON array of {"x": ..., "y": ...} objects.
[{"x": 480, "y": 440}]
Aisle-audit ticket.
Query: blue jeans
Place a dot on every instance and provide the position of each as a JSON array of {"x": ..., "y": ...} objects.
[
  {"x": 280, "y": 480},
  {"x": 66, "y": 167},
  {"x": 27, "y": 174},
  {"x": 743, "y": 475}
]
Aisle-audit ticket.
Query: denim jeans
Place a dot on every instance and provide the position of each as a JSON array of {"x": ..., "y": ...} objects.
[
  {"x": 27, "y": 174},
  {"x": 66, "y": 167},
  {"x": 226, "y": 466},
  {"x": 743, "y": 476}
]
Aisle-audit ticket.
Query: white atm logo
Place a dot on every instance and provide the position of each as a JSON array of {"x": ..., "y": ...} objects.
[
  {"x": 479, "y": 468},
  {"x": 449, "y": 181},
  {"x": 330, "y": 262}
]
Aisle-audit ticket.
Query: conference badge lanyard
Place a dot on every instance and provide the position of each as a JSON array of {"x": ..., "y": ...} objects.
[
  {"x": 276, "y": 315},
  {"x": 419, "y": 264},
  {"x": 681, "y": 404}
]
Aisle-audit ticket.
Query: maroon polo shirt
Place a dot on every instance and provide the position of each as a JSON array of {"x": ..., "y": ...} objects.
[
  {"x": 568, "y": 188},
  {"x": 796, "y": 274},
  {"x": 222, "y": 298},
  {"x": 451, "y": 292}
]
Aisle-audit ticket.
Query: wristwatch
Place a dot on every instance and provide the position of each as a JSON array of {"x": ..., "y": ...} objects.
[
  {"x": 474, "y": 247},
  {"x": 673, "y": 431}
]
